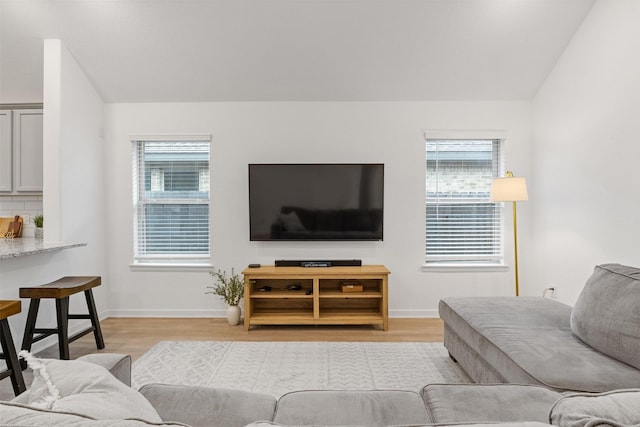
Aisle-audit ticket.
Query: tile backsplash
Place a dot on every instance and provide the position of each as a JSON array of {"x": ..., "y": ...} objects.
[{"x": 26, "y": 206}]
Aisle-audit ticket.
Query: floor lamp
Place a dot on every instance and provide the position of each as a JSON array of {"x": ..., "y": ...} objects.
[{"x": 511, "y": 189}]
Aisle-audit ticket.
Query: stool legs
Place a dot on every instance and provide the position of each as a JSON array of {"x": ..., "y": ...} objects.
[
  {"x": 95, "y": 322},
  {"x": 14, "y": 369},
  {"x": 29, "y": 329},
  {"x": 62, "y": 316}
]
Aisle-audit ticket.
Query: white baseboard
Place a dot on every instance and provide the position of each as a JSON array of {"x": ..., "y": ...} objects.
[
  {"x": 222, "y": 313},
  {"x": 414, "y": 314},
  {"x": 166, "y": 313}
]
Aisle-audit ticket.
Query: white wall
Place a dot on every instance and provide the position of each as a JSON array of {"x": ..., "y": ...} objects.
[
  {"x": 579, "y": 154},
  {"x": 586, "y": 152},
  {"x": 391, "y": 133},
  {"x": 72, "y": 194},
  {"x": 81, "y": 151}
]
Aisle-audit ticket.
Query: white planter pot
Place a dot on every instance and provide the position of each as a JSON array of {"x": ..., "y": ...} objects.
[
  {"x": 38, "y": 233},
  {"x": 233, "y": 315}
]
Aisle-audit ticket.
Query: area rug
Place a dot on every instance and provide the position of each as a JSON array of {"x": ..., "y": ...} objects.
[{"x": 276, "y": 368}]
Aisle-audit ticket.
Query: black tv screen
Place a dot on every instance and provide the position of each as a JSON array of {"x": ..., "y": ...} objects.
[{"x": 316, "y": 201}]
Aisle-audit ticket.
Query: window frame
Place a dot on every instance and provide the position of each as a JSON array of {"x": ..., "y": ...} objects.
[
  {"x": 171, "y": 261},
  {"x": 469, "y": 265}
]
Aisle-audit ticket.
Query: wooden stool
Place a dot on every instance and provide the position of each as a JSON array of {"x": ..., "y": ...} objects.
[
  {"x": 9, "y": 308},
  {"x": 61, "y": 289}
]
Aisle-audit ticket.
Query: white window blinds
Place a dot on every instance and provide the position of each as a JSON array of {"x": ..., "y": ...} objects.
[
  {"x": 463, "y": 225},
  {"x": 171, "y": 197}
]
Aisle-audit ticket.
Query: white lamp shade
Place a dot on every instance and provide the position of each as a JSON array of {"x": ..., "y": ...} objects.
[{"x": 509, "y": 189}]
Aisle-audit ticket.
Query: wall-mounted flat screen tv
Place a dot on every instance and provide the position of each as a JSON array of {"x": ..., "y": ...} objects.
[{"x": 316, "y": 201}]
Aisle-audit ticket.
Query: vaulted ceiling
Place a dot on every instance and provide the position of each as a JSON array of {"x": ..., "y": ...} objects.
[{"x": 291, "y": 50}]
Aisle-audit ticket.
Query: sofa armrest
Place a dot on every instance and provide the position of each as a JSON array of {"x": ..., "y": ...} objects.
[
  {"x": 118, "y": 364},
  {"x": 201, "y": 406},
  {"x": 614, "y": 408}
]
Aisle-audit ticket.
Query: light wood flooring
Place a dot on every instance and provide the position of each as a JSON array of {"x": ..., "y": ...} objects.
[{"x": 134, "y": 336}]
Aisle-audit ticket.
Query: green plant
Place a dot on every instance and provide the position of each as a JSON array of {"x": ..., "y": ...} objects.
[
  {"x": 230, "y": 288},
  {"x": 38, "y": 221}
]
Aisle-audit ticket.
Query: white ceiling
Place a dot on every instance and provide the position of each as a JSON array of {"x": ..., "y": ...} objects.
[{"x": 291, "y": 50}]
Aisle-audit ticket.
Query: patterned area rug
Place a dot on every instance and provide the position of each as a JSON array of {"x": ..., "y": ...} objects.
[{"x": 279, "y": 367}]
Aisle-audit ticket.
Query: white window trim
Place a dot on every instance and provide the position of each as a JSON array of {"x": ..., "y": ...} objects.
[
  {"x": 469, "y": 267},
  {"x": 466, "y": 134},
  {"x": 172, "y": 262},
  {"x": 171, "y": 137},
  {"x": 158, "y": 266}
]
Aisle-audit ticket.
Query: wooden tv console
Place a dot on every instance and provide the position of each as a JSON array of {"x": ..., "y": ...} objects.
[{"x": 320, "y": 299}]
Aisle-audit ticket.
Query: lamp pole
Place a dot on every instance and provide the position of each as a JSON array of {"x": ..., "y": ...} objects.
[{"x": 515, "y": 246}]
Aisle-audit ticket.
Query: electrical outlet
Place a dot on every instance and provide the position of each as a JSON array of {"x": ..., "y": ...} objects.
[{"x": 550, "y": 292}]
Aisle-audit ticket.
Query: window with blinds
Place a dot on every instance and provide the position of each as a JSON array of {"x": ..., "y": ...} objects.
[
  {"x": 171, "y": 196},
  {"x": 463, "y": 225}
]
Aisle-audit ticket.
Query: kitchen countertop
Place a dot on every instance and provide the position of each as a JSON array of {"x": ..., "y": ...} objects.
[{"x": 12, "y": 248}]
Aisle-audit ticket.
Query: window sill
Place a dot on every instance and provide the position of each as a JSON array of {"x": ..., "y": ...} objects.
[
  {"x": 463, "y": 268},
  {"x": 160, "y": 266}
]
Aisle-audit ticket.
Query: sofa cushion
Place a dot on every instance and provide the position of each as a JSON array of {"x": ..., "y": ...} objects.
[
  {"x": 606, "y": 314},
  {"x": 482, "y": 403},
  {"x": 198, "y": 406},
  {"x": 339, "y": 408},
  {"x": 84, "y": 388},
  {"x": 614, "y": 408},
  {"x": 15, "y": 414}
]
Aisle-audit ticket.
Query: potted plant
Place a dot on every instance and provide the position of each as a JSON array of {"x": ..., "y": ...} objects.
[
  {"x": 38, "y": 221},
  {"x": 231, "y": 289}
]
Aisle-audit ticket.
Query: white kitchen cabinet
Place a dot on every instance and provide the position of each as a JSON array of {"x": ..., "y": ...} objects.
[
  {"x": 21, "y": 151},
  {"x": 27, "y": 151},
  {"x": 6, "y": 152}
]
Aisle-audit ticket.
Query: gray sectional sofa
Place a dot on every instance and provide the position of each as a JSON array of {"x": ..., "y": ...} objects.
[
  {"x": 538, "y": 342},
  {"x": 95, "y": 391},
  {"x": 591, "y": 347}
]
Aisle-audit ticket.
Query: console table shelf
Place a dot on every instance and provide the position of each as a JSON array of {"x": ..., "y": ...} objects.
[
  {"x": 320, "y": 300},
  {"x": 363, "y": 294}
]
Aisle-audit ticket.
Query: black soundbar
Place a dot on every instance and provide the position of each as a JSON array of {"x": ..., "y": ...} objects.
[{"x": 318, "y": 263}]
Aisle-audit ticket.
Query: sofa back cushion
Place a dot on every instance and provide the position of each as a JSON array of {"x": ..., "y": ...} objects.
[
  {"x": 606, "y": 315},
  {"x": 206, "y": 406},
  {"x": 374, "y": 408}
]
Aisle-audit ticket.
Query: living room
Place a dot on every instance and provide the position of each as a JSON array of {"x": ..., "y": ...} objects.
[
  {"x": 572, "y": 137},
  {"x": 556, "y": 152},
  {"x": 580, "y": 195},
  {"x": 548, "y": 143}
]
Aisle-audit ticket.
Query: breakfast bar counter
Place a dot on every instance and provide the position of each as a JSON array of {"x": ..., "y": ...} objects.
[{"x": 12, "y": 248}]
